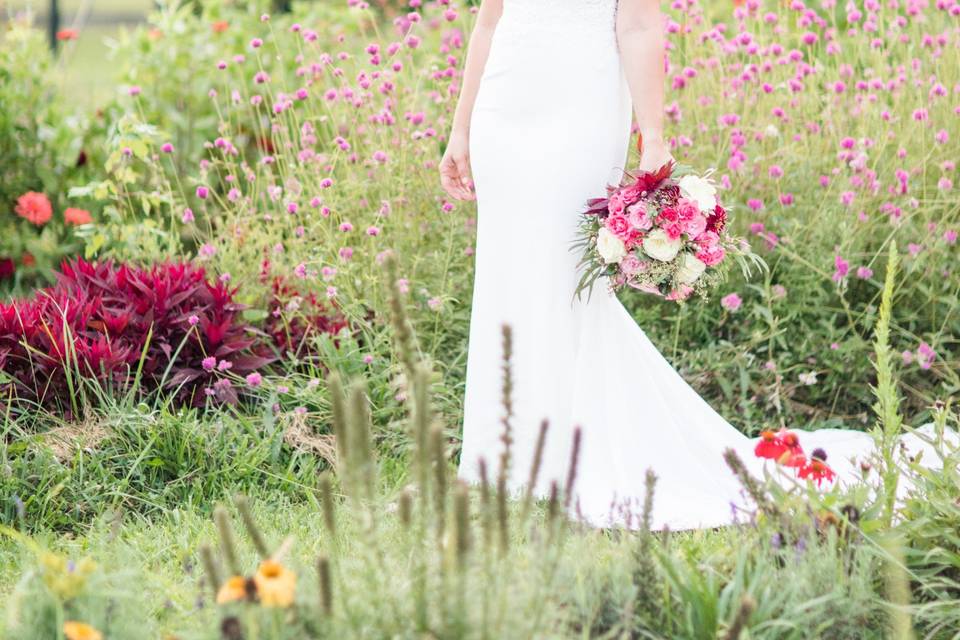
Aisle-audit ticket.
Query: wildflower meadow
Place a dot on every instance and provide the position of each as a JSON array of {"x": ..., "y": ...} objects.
[{"x": 234, "y": 319}]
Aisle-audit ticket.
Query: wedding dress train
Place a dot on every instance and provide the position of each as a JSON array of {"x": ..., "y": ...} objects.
[{"x": 550, "y": 129}]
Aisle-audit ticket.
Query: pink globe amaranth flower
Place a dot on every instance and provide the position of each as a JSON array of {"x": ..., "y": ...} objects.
[
  {"x": 254, "y": 380},
  {"x": 864, "y": 273},
  {"x": 950, "y": 236},
  {"x": 345, "y": 253},
  {"x": 944, "y": 183},
  {"x": 292, "y": 207},
  {"x": 367, "y": 359},
  {"x": 346, "y": 227},
  {"x": 755, "y": 204},
  {"x": 786, "y": 199},
  {"x": 331, "y": 293},
  {"x": 134, "y": 90},
  {"x": 907, "y": 357},
  {"x": 373, "y": 231},
  {"x": 842, "y": 268},
  {"x": 203, "y": 192},
  {"x": 207, "y": 250},
  {"x": 925, "y": 355},
  {"x": 166, "y": 147},
  {"x": 731, "y": 302},
  {"x": 778, "y": 292},
  {"x": 209, "y": 363},
  {"x": 914, "y": 249}
]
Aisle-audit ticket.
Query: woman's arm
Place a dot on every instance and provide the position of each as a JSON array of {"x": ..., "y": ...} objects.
[
  {"x": 455, "y": 166},
  {"x": 642, "y": 45}
]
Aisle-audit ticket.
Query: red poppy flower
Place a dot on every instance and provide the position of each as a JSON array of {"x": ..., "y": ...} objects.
[
  {"x": 220, "y": 26},
  {"x": 34, "y": 207},
  {"x": 67, "y": 34}
]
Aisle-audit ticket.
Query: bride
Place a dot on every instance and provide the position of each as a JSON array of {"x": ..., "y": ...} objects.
[{"x": 543, "y": 123}]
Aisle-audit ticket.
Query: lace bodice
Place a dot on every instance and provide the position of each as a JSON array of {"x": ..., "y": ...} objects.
[{"x": 567, "y": 15}]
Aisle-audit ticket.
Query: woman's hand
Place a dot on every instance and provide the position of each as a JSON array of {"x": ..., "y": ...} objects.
[
  {"x": 655, "y": 154},
  {"x": 455, "y": 168}
]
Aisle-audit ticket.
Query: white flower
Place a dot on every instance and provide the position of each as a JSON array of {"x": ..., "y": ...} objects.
[
  {"x": 809, "y": 378},
  {"x": 691, "y": 268},
  {"x": 700, "y": 190},
  {"x": 610, "y": 247},
  {"x": 659, "y": 246},
  {"x": 771, "y": 131}
]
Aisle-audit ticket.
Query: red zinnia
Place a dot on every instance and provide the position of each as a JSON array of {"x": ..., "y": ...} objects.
[
  {"x": 34, "y": 207},
  {"x": 220, "y": 26},
  {"x": 67, "y": 34},
  {"x": 77, "y": 216}
]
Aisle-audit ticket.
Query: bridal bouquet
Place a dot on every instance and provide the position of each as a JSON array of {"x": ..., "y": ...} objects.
[{"x": 663, "y": 232}]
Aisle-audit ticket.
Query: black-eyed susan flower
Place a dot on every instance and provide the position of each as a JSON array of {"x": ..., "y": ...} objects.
[
  {"x": 74, "y": 630},
  {"x": 275, "y": 584}
]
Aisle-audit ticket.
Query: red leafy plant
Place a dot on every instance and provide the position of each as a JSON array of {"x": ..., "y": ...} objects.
[
  {"x": 166, "y": 325},
  {"x": 296, "y": 317}
]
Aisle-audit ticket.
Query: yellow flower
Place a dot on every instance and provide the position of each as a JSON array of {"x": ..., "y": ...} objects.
[
  {"x": 65, "y": 578},
  {"x": 233, "y": 590},
  {"x": 80, "y": 631},
  {"x": 275, "y": 584}
]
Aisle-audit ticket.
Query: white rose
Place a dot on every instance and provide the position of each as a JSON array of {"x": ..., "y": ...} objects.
[
  {"x": 659, "y": 246},
  {"x": 610, "y": 247},
  {"x": 691, "y": 268},
  {"x": 700, "y": 190}
]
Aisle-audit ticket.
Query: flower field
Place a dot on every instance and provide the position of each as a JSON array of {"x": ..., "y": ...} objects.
[{"x": 234, "y": 325}]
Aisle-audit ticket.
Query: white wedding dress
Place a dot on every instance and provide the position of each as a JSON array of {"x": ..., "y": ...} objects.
[{"x": 550, "y": 129}]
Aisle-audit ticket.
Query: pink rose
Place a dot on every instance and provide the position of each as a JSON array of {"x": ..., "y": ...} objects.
[
  {"x": 711, "y": 256},
  {"x": 687, "y": 209},
  {"x": 631, "y": 265},
  {"x": 696, "y": 225},
  {"x": 668, "y": 215},
  {"x": 639, "y": 217},
  {"x": 618, "y": 226},
  {"x": 674, "y": 230},
  {"x": 616, "y": 205},
  {"x": 630, "y": 194},
  {"x": 708, "y": 239}
]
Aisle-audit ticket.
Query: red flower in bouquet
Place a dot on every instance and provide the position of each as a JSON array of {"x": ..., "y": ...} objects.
[
  {"x": 34, "y": 207},
  {"x": 817, "y": 469},
  {"x": 717, "y": 221}
]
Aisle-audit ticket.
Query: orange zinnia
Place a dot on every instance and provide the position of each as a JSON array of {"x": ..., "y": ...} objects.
[
  {"x": 75, "y": 216},
  {"x": 220, "y": 26},
  {"x": 34, "y": 207}
]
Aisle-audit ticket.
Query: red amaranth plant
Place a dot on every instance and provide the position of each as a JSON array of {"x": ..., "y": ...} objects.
[
  {"x": 295, "y": 317},
  {"x": 108, "y": 321}
]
